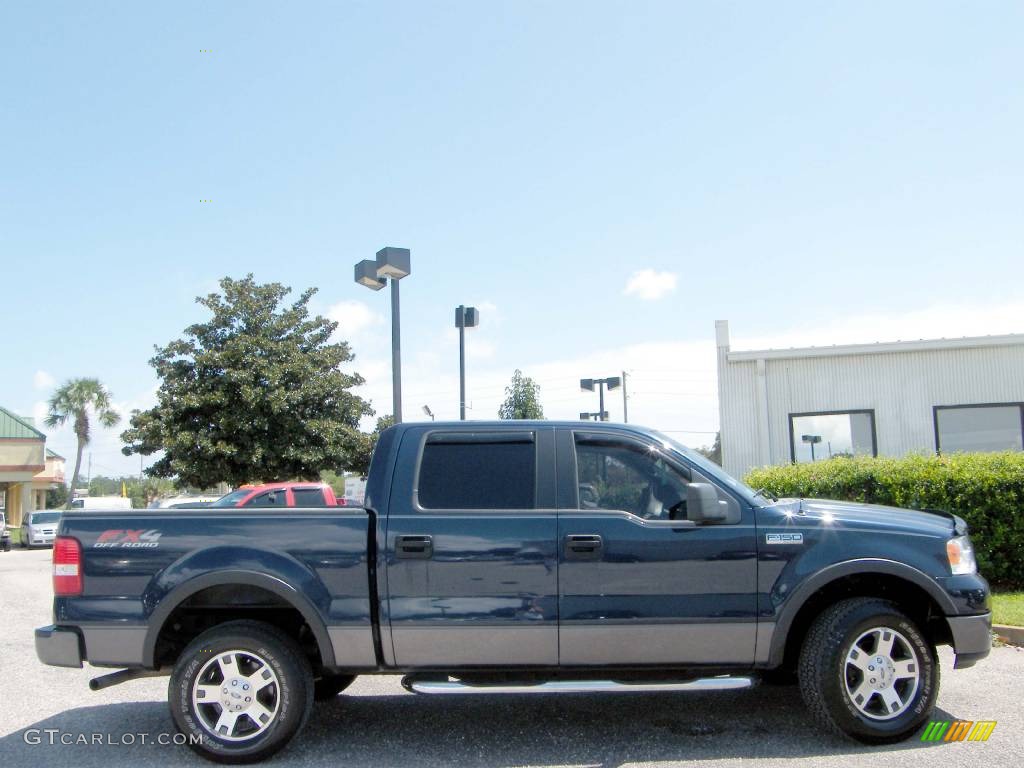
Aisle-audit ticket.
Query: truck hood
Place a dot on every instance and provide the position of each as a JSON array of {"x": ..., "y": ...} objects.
[{"x": 876, "y": 516}]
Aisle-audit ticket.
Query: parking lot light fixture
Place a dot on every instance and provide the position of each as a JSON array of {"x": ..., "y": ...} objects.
[
  {"x": 587, "y": 385},
  {"x": 394, "y": 264}
]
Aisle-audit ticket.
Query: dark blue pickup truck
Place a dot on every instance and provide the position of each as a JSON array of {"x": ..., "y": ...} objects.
[{"x": 520, "y": 557}]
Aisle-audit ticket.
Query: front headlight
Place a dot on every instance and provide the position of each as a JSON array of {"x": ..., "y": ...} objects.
[{"x": 961, "y": 556}]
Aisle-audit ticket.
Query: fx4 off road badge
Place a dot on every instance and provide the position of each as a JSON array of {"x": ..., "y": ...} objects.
[
  {"x": 119, "y": 539},
  {"x": 783, "y": 538}
]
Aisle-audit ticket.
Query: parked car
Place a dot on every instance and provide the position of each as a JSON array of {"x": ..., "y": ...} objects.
[
  {"x": 290, "y": 494},
  {"x": 5, "y": 536},
  {"x": 39, "y": 528},
  {"x": 520, "y": 557}
]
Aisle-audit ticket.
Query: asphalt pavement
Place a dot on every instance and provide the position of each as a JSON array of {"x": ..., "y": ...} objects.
[{"x": 376, "y": 723}]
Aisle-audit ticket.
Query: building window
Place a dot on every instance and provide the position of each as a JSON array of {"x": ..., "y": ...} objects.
[
  {"x": 988, "y": 427},
  {"x": 818, "y": 436}
]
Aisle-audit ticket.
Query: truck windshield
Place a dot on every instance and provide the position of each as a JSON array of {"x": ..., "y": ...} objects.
[
  {"x": 231, "y": 499},
  {"x": 709, "y": 468}
]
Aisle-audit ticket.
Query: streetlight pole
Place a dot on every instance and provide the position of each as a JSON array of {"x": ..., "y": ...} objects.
[
  {"x": 393, "y": 264},
  {"x": 465, "y": 317},
  {"x": 625, "y": 407},
  {"x": 396, "y": 353}
]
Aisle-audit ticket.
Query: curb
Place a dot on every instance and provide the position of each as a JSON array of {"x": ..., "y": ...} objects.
[{"x": 1009, "y": 634}]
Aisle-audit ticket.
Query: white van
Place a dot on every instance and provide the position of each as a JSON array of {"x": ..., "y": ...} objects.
[{"x": 102, "y": 502}]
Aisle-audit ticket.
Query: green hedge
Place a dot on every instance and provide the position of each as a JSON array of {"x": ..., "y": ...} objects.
[{"x": 986, "y": 489}]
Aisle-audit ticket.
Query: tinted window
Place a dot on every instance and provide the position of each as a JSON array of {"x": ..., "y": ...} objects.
[
  {"x": 275, "y": 498},
  {"x": 309, "y": 497},
  {"x": 481, "y": 472}
]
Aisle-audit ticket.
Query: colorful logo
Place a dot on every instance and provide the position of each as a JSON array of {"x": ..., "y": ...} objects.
[
  {"x": 958, "y": 730},
  {"x": 121, "y": 539}
]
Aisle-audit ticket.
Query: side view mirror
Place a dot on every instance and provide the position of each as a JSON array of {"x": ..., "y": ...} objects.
[{"x": 702, "y": 505}]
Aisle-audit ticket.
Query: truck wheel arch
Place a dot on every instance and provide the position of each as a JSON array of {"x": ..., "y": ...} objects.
[
  {"x": 176, "y": 597},
  {"x": 838, "y": 573}
]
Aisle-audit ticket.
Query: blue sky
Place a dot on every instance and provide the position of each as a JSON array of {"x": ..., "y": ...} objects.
[{"x": 811, "y": 172}]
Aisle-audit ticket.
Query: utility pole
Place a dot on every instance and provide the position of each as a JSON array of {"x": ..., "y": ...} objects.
[{"x": 625, "y": 407}]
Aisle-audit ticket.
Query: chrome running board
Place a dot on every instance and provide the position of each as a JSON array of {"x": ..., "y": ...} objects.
[{"x": 452, "y": 687}]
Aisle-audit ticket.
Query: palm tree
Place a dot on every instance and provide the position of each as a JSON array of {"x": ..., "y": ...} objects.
[{"x": 74, "y": 400}]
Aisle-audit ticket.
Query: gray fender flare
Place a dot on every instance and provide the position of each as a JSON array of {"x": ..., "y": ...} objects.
[
  {"x": 800, "y": 595},
  {"x": 282, "y": 589}
]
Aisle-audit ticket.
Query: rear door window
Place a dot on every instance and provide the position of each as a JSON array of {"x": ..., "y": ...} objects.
[
  {"x": 309, "y": 497},
  {"x": 478, "y": 471}
]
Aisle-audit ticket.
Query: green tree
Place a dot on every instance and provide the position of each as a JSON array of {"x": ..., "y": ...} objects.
[
  {"x": 253, "y": 393},
  {"x": 714, "y": 453},
  {"x": 57, "y": 497},
  {"x": 359, "y": 460},
  {"x": 77, "y": 401},
  {"x": 522, "y": 399}
]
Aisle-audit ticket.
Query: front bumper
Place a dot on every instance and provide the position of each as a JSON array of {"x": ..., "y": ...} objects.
[
  {"x": 59, "y": 646},
  {"x": 972, "y": 638}
]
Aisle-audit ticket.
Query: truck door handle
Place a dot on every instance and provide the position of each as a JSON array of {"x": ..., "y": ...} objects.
[
  {"x": 414, "y": 547},
  {"x": 583, "y": 546}
]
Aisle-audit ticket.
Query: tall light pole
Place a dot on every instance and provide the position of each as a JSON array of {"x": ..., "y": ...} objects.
[
  {"x": 813, "y": 440},
  {"x": 587, "y": 385},
  {"x": 430, "y": 413},
  {"x": 465, "y": 317},
  {"x": 393, "y": 263}
]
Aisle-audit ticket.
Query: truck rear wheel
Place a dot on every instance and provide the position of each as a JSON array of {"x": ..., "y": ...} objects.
[
  {"x": 241, "y": 691},
  {"x": 867, "y": 671}
]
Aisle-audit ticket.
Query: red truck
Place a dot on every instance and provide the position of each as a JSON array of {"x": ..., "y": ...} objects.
[{"x": 291, "y": 494}]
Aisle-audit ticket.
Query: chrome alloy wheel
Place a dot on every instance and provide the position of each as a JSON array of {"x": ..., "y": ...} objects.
[
  {"x": 882, "y": 673},
  {"x": 236, "y": 695}
]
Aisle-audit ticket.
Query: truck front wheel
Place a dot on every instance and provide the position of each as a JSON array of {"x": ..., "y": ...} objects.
[
  {"x": 240, "y": 692},
  {"x": 867, "y": 671}
]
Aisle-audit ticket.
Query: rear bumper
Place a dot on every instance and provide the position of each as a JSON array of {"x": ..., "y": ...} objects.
[
  {"x": 59, "y": 646},
  {"x": 972, "y": 638}
]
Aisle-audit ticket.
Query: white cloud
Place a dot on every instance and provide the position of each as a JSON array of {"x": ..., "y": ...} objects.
[
  {"x": 43, "y": 380},
  {"x": 353, "y": 317},
  {"x": 650, "y": 285}
]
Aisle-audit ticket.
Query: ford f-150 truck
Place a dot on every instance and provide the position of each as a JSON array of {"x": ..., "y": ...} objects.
[{"x": 520, "y": 557}]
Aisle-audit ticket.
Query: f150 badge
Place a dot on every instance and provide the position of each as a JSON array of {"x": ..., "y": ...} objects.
[
  {"x": 120, "y": 539},
  {"x": 784, "y": 538}
]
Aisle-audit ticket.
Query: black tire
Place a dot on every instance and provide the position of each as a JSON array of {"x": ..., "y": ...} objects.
[
  {"x": 329, "y": 685},
  {"x": 289, "y": 696},
  {"x": 824, "y": 672}
]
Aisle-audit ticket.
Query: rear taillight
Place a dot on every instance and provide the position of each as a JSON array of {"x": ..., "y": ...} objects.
[{"x": 67, "y": 567}]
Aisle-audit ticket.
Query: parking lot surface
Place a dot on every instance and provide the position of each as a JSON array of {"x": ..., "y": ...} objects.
[{"x": 377, "y": 723}]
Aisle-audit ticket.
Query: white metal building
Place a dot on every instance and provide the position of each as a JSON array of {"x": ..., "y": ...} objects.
[{"x": 884, "y": 399}]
